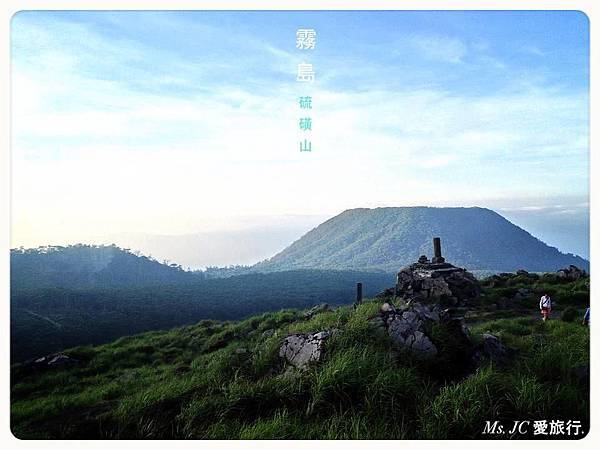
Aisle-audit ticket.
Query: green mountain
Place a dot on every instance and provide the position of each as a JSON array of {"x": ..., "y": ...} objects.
[{"x": 389, "y": 238}]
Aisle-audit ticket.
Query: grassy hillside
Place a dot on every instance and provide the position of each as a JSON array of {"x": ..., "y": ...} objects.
[
  {"x": 225, "y": 379},
  {"x": 389, "y": 238}
]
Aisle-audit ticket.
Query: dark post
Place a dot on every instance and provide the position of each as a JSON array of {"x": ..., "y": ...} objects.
[
  {"x": 437, "y": 251},
  {"x": 437, "y": 247},
  {"x": 359, "y": 297}
]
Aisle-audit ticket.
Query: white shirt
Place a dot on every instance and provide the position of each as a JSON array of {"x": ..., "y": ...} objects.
[{"x": 545, "y": 302}]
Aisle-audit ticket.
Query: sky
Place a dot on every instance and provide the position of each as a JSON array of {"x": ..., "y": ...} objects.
[{"x": 181, "y": 123}]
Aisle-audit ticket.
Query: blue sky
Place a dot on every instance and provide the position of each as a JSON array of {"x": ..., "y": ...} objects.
[{"x": 184, "y": 122}]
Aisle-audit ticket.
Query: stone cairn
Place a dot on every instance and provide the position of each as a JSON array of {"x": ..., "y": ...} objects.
[
  {"x": 422, "y": 293},
  {"x": 436, "y": 281}
]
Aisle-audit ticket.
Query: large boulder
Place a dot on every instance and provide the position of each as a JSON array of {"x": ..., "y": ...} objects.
[{"x": 302, "y": 349}]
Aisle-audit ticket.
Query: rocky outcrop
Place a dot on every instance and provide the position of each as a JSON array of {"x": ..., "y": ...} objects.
[
  {"x": 55, "y": 360},
  {"x": 407, "y": 326},
  {"x": 300, "y": 349},
  {"x": 410, "y": 325},
  {"x": 571, "y": 273}
]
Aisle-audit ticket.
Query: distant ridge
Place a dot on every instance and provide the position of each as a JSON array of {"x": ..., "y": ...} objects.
[
  {"x": 84, "y": 266},
  {"x": 389, "y": 238}
]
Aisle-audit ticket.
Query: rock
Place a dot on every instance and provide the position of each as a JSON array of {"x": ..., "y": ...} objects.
[
  {"x": 50, "y": 361},
  {"x": 433, "y": 283},
  {"x": 407, "y": 328},
  {"x": 426, "y": 313},
  {"x": 495, "y": 350},
  {"x": 522, "y": 293},
  {"x": 387, "y": 308},
  {"x": 268, "y": 333},
  {"x": 423, "y": 259},
  {"x": 436, "y": 280},
  {"x": 522, "y": 272},
  {"x": 571, "y": 273},
  {"x": 241, "y": 351},
  {"x": 422, "y": 346},
  {"x": 60, "y": 360},
  {"x": 399, "y": 329},
  {"x": 300, "y": 350},
  {"x": 316, "y": 310}
]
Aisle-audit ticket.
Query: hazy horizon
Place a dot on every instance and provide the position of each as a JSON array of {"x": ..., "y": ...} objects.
[{"x": 255, "y": 242}]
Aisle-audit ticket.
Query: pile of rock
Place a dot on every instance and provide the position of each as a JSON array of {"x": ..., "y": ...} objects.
[
  {"x": 571, "y": 273},
  {"x": 435, "y": 281}
]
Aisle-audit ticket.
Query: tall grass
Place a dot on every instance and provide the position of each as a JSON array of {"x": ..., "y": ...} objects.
[{"x": 226, "y": 380}]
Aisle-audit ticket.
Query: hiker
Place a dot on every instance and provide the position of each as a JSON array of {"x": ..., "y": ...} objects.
[
  {"x": 586, "y": 317},
  {"x": 545, "y": 306}
]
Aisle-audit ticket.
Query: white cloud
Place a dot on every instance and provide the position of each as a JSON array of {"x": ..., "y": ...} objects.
[
  {"x": 441, "y": 48},
  {"x": 98, "y": 155}
]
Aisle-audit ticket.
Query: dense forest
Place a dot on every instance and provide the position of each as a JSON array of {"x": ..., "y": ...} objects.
[
  {"x": 86, "y": 266},
  {"x": 389, "y": 238},
  {"x": 47, "y": 319}
]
